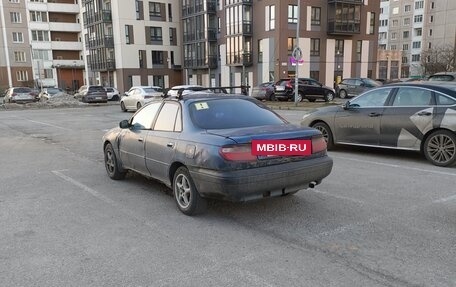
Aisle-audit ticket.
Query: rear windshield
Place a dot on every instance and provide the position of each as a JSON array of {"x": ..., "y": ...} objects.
[
  {"x": 97, "y": 88},
  {"x": 447, "y": 78},
  {"x": 231, "y": 113},
  {"x": 153, "y": 90},
  {"x": 22, "y": 90}
]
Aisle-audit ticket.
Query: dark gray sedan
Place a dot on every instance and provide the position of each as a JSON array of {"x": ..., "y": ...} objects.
[
  {"x": 201, "y": 147},
  {"x": 408, "y": 116}
]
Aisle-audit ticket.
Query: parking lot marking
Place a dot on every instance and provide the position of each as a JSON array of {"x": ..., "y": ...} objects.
[
  {"x": 446, "y": 199},
  {"x": 46, "y": 124},
  {"x": 396, "y": 165}
]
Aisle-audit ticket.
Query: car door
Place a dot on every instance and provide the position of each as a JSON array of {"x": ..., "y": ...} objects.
[
  {"x": 162, "y": 141},
  {"x": 130, "y": 101},
  {"x": 408, "y": 118},
  {"x": 132, "y": 140},
  {"x": 359, "y": 121}
]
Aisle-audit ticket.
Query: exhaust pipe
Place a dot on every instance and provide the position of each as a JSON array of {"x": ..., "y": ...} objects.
[{"x": 312, "y": 184}]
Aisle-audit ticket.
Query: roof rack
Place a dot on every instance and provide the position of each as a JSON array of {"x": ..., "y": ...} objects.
[{"x": 216, "y": 90}]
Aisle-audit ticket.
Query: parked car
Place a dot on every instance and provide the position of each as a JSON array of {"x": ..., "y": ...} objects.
[
  {"x": 351, "y": 87},
  {"x": 406, "y": 116},
  {"x": 443, "y": 76},
  {"x": 175, "y": 90},
  {"x": 20, "y": 95},
  {"x": 264, "y": 91},
  {"x": 138, "y": 96},
  {"x": 112, "y": 93},
  {"x": 200, "y": 145},
  {"x": 92, "y": 94},
  {"x": 309, "y": 89},
  {"x": 47, "y": 93}
]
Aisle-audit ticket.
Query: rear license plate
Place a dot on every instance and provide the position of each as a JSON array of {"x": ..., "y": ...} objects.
[
  {"x": 98, "y": 98},
  {"x": 280, "y": 88}
]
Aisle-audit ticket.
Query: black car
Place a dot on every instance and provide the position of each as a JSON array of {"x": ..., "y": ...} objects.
[
  {"x": 406, "y": 116},
  {"x": 308, "y": 88},
  {"x": 92, "y": 94},
  {"x": 201, "y": 145}
]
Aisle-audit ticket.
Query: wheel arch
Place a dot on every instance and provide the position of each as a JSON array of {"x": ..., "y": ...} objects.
[{"x": 172, "y": 170}]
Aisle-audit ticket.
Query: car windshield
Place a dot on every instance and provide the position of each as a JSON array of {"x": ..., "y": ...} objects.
[
  {"x": 52, "y": 90},
  {"x": 231, "y": 113},
  {"x": 22, "y": 90},
  {"x": 447, "y": 78},
  {"x": 153, "y": 90}
]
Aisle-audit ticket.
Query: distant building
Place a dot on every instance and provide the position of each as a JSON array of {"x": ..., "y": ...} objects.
[{"x": 41, "y": 44}]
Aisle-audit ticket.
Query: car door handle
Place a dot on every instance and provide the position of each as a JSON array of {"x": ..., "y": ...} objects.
[
  {"x": 374, "y": 115},
  {"x": 170, "y": 144},
  {"x": 140, "y": 139},
  {"x": 424, "y": 113}
]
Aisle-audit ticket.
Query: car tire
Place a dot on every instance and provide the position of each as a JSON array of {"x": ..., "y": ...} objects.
[
  {"x": 329, "y": 97},
  {"x": 187, "y": 198},
  {"x": 327, "y": 133},
  {"x": 300, "y": 96},
  {"x": 122, "y": 107},
  {"x": 440, "y": 148},
  {"x": 115, "y": 98},
  {"x": 342, "y": 94},
  {"x": 312, "y": 100},
  {"x": 138, "y": 106},
  {"x": 112, "y": 164},
  {"x": 273, "y": 98}
]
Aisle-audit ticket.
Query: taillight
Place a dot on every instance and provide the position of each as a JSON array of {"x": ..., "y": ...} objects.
[
  {"x": 13, "y": 94},
  {"x": 289, "y": 84},
  {"x": 318, "y": 144},
  {"x": 237, "y": 153}
]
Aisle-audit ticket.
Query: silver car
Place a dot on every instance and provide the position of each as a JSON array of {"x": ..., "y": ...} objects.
[
  {"x": 355, "y": 86},
  {"x": 138, "y": 96}
]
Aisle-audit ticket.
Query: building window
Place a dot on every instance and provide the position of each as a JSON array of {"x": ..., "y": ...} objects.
[
  {"x": 40, "y": 36},
  {"x": 416, "y": 45},
  {"x": 430, "y": 32},
  {"x": 38, "y": 16},
  {"x": 406, "y": 21},
  {"x": 142, "y": 58},
  {"x": 154, "y": 10},
  {"x": 416, "y": 58},
  {"x": 395, "y": 23},
  {"x": 394, "y": 47},
  {"x": 138, "y": 9},
  {"x": 418, "y": 19},
  {"x": 292, "y": 14},
  {"x": 170, "y": 12},
  {"x": 13, "y": 1},
  {"x": 291, "y": 45},
  {"x": 405, "y": 34},
  {"x": 404, "y": 60},
  {"x": 19, "y": 57},
  {"x": 405, "y": 47},
  {"x": 22, "y": 76},
  {"x": 419, "y": 5},
  {"x": 315, "y": 47},
  {"x": 270, "y": 17},
  {"x": 359, "y": 50},
  {"x": 407, "y": 8},
  {"x": 418, "y": 32},
  {"x": 157, "y": 57},
  {"x": 18, "y": 37},
  {"x": 393, "y": 36},
  {"x": 129, "y": 34},
  {"x": 315, "y": 17},
  {"x": 260, "y": 50},
  {"x": 431, "y": 19},
  {"x": 372, "y": 23},
  {"x": 156, "y": 34},
  {"x": 16, "y": 17},
  {"x": 339, "y": 47}
]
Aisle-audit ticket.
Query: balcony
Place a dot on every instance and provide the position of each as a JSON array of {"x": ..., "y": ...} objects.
[
  {"x": 346, "y": 1},
  {"x": 235, "y": 59},
  {"x": 63, "y": 7},
  {"x": 68, "y": 63},
  {"x": 207, "y": 63},
  {"x": 68, "y": 46},
  {"x": 106, "y": 42},
  {"x": 98, "y": 66},
  {"x": 104, "y": 16},
  {"x": 340, "y": 27},
  {"x": 64, "y": 27}
]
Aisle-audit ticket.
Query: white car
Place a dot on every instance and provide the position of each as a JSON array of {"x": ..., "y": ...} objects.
[
  {"x": 174, "y": 90},
  {"x": 138, "y": 96},
  {"x": 113, "y": 94}
]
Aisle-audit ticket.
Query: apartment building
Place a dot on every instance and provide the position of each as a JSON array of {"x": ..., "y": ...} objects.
[
  {"x": 410, "y": 27},
  {"x": 132, "y": 42},
  {"x": 41, "y": 44}
]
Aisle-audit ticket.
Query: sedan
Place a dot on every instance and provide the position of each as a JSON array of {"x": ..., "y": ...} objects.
[
  {"x": 407, "y": 116},
  {"x": 138, "y": 96},
  {"x": 264, "y": 91},
  {"x": 201, "y": 146}
]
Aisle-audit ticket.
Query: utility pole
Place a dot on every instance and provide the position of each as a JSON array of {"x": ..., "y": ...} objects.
[{"x": 297, "y": 60}]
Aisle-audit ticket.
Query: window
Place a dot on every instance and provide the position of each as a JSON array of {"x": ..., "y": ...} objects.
[
  {"x": 416, "y": 58},
  {"x": 142, "y": 58},
  {"x": 292, "y": 14},
  {"x": 139, "y": 10},
  {"x": 37, "y": 1},
  {"x": 129, "y": 34},
  {"x": 156, "y": 34},
  {"x": 393, "y": 35},
  {"x": 406, "y": 21},
  {"x": 405, "y": 34},
  {"x": 157, "y": 57},
  {"x": 18, "y": 37},
  {"x": 431, "y": 19},
  {"x": 405, "y": 47},
  {"x": 38, "y": 16},
  {"x": 154, "y": 10},
  {"x": 393, "y": 47},
  {"x": 41, "y": 54},
  {"x": 168, "y": 117},
  {"x": 16, "y": 17},
  {"x": 359, "y": 49},
  {"x": 404, "y": 60},
  {"x": 374, "y": 98},
  {"x": 443, "y": 100},
  {"x": 419, "y": 5},
  {"x": 13, "y": 1},
  {"x": 384, "y": 23},
  {"x": 170, "y": 12},
  {"x": 260, "y": 50},
  {"x": 372, "y": 23},
  {"x": 291, "y": 45},
  {"x": 40, "y": 36},
  {"x": 315, "y": 47},
  {"x": 339, "y": 47},
  {"x": 22, "y": 76},
  {"x": 143, "y": 120},
  {"x": 406, "y": 97},
  {"x": 416, "y": 45},
  {"x": 395, "y": 23},
  {"x": 270, "y": 17},
  {"x": 418, "y": 19},
  {"x": 19, "y": 56},
  {"x": 315, "y": 17},
  {"x": 418, "y": 32},
  {"x": 407, "y": 8}
]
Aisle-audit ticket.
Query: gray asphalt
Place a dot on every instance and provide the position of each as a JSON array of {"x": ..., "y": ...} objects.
[{"x": 382, "y": 218}]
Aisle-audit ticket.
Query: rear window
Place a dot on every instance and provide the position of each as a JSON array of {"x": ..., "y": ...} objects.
[
  {"x": 22, "y": 90},
  {"x": 153, "y": 90},
  {"x": 446, "y": 78},
  {"x": 97, "y": 88},
  {"x": 231, "y": 113}
]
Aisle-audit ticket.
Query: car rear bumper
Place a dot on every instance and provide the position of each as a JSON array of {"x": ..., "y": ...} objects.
[{"x": 257, "y": 183}]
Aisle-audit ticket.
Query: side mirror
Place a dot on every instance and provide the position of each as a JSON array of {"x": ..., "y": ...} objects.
[{"x": 124, "y": 124}]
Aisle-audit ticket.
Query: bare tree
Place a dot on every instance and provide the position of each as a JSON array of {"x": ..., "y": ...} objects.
[{"x": 438, "y": 59}]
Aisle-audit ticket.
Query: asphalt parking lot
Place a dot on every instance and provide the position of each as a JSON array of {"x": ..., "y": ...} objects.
[{"x": 382, "y": 218}]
